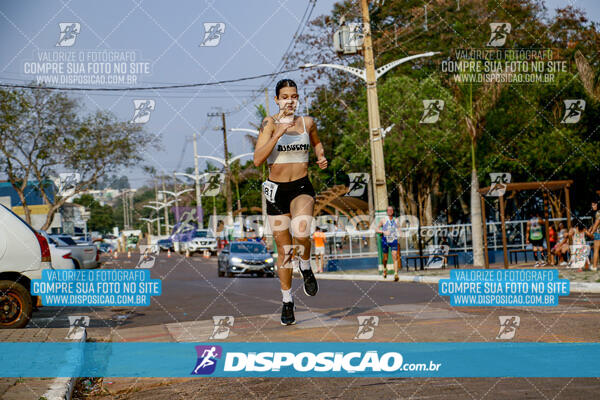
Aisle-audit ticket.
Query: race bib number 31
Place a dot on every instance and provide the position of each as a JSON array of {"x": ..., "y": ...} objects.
[{"x": 270, "y": 188}]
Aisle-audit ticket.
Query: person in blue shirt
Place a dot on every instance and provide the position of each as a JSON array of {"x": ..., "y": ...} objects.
[{"x": 389, "y": 228}]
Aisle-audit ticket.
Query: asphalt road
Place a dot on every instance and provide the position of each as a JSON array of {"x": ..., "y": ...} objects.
[{"x": 191, "y": 290}]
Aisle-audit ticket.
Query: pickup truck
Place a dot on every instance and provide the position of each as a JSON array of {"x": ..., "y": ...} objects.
[
  {"x": 84, "y": 256},
  {"x": 24, "y": 253}
]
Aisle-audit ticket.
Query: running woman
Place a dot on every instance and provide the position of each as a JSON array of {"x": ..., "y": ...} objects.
[
  {"x": 389, "y": 228},
  {"x": 284, "y": 141},
  {"x": 535, "y": 236}
]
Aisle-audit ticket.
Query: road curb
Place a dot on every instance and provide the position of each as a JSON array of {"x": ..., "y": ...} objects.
[
  {"x": 575, "y": 287},
  {"x": 390, "y": 278},
  {"x": 62, "y": 388},
  {"x": 585, "y": 287}
]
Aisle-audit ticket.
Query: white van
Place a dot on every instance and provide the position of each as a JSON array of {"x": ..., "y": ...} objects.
[{"x": 24, "y": 253}]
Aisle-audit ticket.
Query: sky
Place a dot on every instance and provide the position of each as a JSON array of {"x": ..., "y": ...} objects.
[{"x": 165, "y": 41}]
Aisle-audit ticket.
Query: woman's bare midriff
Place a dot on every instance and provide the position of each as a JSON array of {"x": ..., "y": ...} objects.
[{"x": 287, "y": 172}]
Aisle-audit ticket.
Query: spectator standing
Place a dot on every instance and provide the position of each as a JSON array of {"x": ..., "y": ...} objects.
[
  {"x": 319, "y": 239},
  {"x": 535, "y": 236},
  {"x": 562, "y": 246}
]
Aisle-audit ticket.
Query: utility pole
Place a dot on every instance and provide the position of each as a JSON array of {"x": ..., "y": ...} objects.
[
  {"x": 376, "y": 142},
  {"x": 198, "y": 194},
  {"x": 227, "y": 169}
]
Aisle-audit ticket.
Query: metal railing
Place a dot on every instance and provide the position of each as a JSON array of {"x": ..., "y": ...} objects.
[{"x": 355, "y": 244}]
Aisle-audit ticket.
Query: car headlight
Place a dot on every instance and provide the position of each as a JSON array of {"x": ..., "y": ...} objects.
[
  {"x": 235, "y": 260},
  {"x": 269, "y": 260}
]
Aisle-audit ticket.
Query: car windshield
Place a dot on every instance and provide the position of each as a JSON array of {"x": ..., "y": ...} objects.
[
  {"x": 66, "y": 240},
  {"x": 254, "y": 248},
  {"x": 202, "y": 234}
]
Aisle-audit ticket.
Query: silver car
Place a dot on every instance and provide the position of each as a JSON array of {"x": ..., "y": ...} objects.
[{"x": 245, "y": 257}]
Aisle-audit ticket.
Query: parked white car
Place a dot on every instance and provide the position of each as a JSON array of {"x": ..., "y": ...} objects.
[
  {"x": 24, "y": 253},
  {"x": 61, "y": 258}
]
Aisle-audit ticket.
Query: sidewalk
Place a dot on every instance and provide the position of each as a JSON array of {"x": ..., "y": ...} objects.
[
  {"x": 37, "y": 388},
  {"x": 580, "y": 282}
]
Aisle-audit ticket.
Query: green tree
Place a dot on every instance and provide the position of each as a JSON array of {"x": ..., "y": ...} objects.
[
  {"x": 42, "y": 134},
  {"x": 101, "y": 217}
]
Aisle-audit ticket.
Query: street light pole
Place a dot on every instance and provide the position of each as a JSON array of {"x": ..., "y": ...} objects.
[
  {"x": 157, "y": 208},
  {"x": 149, "y": 221},
  {"x": 263, "y": 199},
  {"x": 166, "y": 209},
  {"x": 378, "y": 167},
  {"x": 198, "y": 195},
  {"x": 370, "y": 76}
]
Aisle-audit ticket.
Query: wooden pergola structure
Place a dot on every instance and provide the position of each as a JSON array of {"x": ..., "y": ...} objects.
[
  {"x": 333, "y": 201},
  {"x": 544, "y": 187}
]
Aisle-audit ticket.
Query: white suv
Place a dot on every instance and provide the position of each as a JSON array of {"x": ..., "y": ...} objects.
[
  {"x": 24, "y": 253},
  {"x": 203, "y": 239}
]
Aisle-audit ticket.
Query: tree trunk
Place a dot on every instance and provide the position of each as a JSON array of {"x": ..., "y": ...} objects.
[
  {"x": 26, "y": 209},
  {"x": 401, "y": 199},
  {"x": 449, "y": 201},
  {"x": 555, "y": 206},
  {"x": 476, "y": 228},
  {"x": 50, "y": 215},
  {"x": 237, "y": 191},
  {"x": 408, "y": 205},
  {"x": 424, "y": 199}
]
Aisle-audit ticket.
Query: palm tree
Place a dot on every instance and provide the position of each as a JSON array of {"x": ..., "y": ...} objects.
[
  {"x": 261, "y": 113},
  {"x": 588, "y": 77},
  {"x": 240, "y": 174},
  {"x": 474, "y": 120}
]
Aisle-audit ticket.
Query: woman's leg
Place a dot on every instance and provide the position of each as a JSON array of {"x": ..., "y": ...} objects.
[
  {"x": 280, "y": 225},
  {"x": 301, "y": 209}
]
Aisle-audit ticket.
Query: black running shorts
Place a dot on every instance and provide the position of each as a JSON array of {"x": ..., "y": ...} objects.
[
  {"x": 285, "y": 192},
  {"x": 537, "y": 243}
]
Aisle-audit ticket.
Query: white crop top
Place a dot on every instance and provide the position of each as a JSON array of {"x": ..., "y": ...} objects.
[{"x": 291, "y": 148}]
